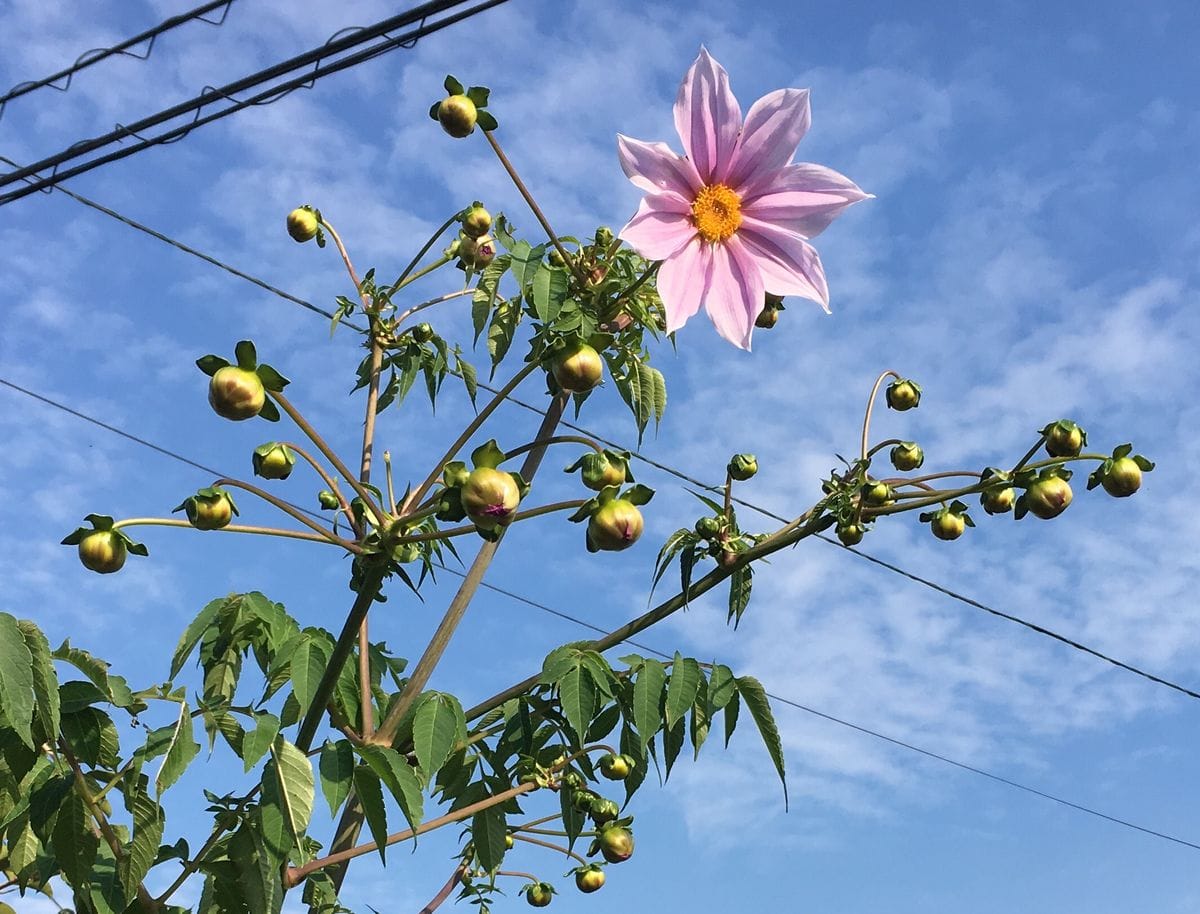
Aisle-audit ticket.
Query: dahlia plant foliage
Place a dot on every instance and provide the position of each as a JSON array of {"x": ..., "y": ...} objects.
[{"x": 548, "y": 765}]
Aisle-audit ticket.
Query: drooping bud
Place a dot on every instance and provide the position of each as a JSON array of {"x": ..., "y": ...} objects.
[
  {"x": 476, "y": 253},
  {"x": 906, "y": 456},
  {"x": 101, "y": 548},
  {"x": 328, "y": 500},
  {"x": 577, "y": 368},
  {"x": 769, "y": 315},
  {"x": 1121, "y": 474},
  {"x": 422, "y": 333},
  {"x": 273, "y": 461},
  {"x": 742, "y": 467},
  {"x": 236, "y": 394},
  {"x": 603, "y": 468},
  {"x": 209, "y": 509},
  {"x": 903, "y": 394},
  {"x": 708, "y": 528},
  {"x": 490, "y": 497},
  {"x": 589, "y": 878},
  {"x": 1048, "y": 496},
  {"x": 604, "y": 237},
  {"x": 302, "y": 224},
  {"x": 615, "y": 526},
  {"x": 616, "y": 844},
  {"x": 850, "y": 534},
  {"x": 877, "y": 494},
  {"x": 457, "y": 115}
]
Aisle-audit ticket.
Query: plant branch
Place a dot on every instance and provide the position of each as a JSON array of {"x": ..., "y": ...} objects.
[
  {"x": 866, "y": 428},
  {"x": 552, "y": 846},
  {"x": 282, "y": 506},
  {"x": 444, "y": 891},
  {"x": 296, "y": 874},
  {"x": 400, "y": 283},
  {"x": 326, "y": 478},
  {"x": 405, "y": 315},
  {"x": 553, "y": 439},
  {"x": 325, "y": 538}
]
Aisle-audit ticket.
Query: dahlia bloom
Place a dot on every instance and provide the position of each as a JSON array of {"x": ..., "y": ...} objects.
[{"x": 730, "y": 219}]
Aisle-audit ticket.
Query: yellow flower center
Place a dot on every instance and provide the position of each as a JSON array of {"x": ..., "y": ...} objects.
[{"x": 717, "y": 212}]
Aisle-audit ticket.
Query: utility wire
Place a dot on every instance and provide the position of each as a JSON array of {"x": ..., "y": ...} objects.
[
  {"x": 94, "y": 56},
  {"x": 213, "y": 96},
  {"x": 650, "y": 461},
  {"x": 903, "y": 744}
]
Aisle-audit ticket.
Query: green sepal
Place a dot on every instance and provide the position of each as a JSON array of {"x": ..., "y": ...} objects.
[
  {"x": 478, "y": 94},
  {"x": 1021, "y": 508},
  {"x": 433, "y": 110},
  {"x": 1122, "y": 450},
  {"x": 269, "y": 411},
  {"x": 271, "y": 379},
  {"x": 486, "y": 121},
  {"x": 638, "y": 494},
  {"x": 453, "y": 86},
  {"x": 247, "y": 357},
  {"x": 522, "y": 485},
  {"x": 454, "y": 474},
  {"x": 211, "y": 364},
  {"x": 994, "y": 474},
  {"x": 487, "y": 454},
  {"x": 98, "y": 522}
]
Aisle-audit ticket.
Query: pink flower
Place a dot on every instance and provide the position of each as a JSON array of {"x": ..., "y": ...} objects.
[{"x": 731, "y": 219}]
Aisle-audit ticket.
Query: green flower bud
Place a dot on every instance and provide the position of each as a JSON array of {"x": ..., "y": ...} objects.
[
  {"x": 604, "y": 811},
  {"x": 589, "y": 879},
  {"x": 328, "y": 500},
  {"x": 450, "y": 506},
  {"x": 578, "y": 368},
  {"x": 490, "y": 497},
  {"x": 947, "y": 526},
  {"x": 708, "y": 528},
  {"x": 877, "y": 494},
  {"x": 615, "y": 767},
  {"x": 422, "y": 333},
  {"x": 477, "y": 253},
  {"x": 103, "y": 551},
  {"x": 604, "y": 237},
  {"x": 769, "y": 315},
  {"x": 903, "y": 395},
  {"x": 273, "y": 461},
  {"x": 615, "y": 526},
  {"x": 850, "y": 534},
  {"x": 999, "y": 500},
  {"x": 1122, "y": 478},
  {"x": 539, "y": 894},
  {"x": 235, "y": 393},
  {"x": 302, "y": 224},
  {"x": 1048, "y": 496},
  {"x": 209, "y": 509},
  {"x": 742, "y": 467},
  {"x": 906, "y": 456},
  {"x": 601, "y": 469},
  {"x": 1064, "y": 438},
  {"x": 616, "y": 844},
  {"x": 457, "y": 115},
  {"x": 477, "y": 222}
]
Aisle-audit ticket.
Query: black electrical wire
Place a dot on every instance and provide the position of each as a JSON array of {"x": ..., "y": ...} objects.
[
  {"x": 867, "y": 731},
  {"x": 211, "y": 96},
  {"x": 94, "y": 56}
]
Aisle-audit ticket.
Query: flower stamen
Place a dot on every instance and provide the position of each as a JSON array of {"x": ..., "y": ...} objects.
[{"x": 717, "y": 212}]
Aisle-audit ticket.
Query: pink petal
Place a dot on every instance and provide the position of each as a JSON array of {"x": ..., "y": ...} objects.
[
  {"x": 804, "y": 198},
  {"x": 654, "y": 168},
  {"x": 774, "y": 128},
  {"x": 708, "y": 117},
  {"x": 789, "y": 265},
  {"x": 683, "y": 282},
  {"x": 735, "y": 292},
  {"x": 661, "y": 226}
]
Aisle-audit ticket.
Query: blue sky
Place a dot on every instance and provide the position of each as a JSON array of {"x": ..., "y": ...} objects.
[{"x": 1032, "y": 253}]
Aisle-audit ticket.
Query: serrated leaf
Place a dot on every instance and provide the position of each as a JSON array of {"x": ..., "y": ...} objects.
[
  {"x": 336, "y": 767},
  {"x": 681, "y": 689},
  {"x": 740, "y": 585},
  {"x": 549, "y": 290},
  {"x": 755, "y": 696},
  {"x": 488, "y": 830},
  {"x": 308, "y": 666},
  {"x": 438, "y": 724},
  {"x": 181, "y": 749},
  {"x": 193, "y": 633},
  {"x": 370, "y": 797},
  {"x": 16, "y": 678},
  {"x": 148, "y": 825},
  {"x": 731, "y": 716},
  {"x": 523, "y": 261},
  {"x": 701, "y": 718},
  {"x": 673, "y": 738},
  {"x": 647, "y": 699},
  {"x": 45, "y": 680},
  {"x": 258, "y": 741},
  {"x": 399, "y": 778},
  {"x": 287, "y": 798},
  {"x": 721, "y": 687},
  {"x": 73, "y": 841},
  {"x": 577, "y": 695},
  {"x": 81, "y": 729}
]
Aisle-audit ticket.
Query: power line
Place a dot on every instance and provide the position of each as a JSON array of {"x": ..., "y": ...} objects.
[
  {"x": 903, "y": 744},
  {"x": 213, "y": 96},
  {"x": 665, "y": 468},
  {"x": 94, "y": 56}
]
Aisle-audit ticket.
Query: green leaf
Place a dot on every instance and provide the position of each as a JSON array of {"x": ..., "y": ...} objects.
[
  {"x": 740, "y": 583},
  {"x": 731, "y": 716},
  {"x": 337, "y": 770},
  {"x": 147, "y": 834},
  {"x": 673, "y": 738},
  {"x": 682, "y": 688},
  {"x": 399, "y": 778},
  {"x": 549, "y": 290},
  {"x": 16, "y": 678},
  {"x": 181, "y": 749},
  {"x": 438, "y": 724},
  {"x": 308, "y": 666},
  {"x": 488, "y": 830},
  {"x": 81, "y": 729},
  {"x": 74, "y": 843},
  {"x": 258, "y": 741},
  {"x": 524, "y": 262},
  {"x": 721, "y": 687},
  {"x": 647, "y": 699},
  {"x": 577, "y": 694},
  {"x": 192, "y": 634},
  {"x": 701, "y": 719},
  {"x": 469, "y": 377},
  {"x": 755, "y": 697},
  {"x": 287, "y": 798},
  {"x": 114, "y": 687},
  {"x": 45, "y": 680},
  {"x": 370, "y": 797}
]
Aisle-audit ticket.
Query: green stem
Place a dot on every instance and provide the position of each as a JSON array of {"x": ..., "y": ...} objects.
[
  {"x": 369, "y": 589},
  {"x": 913, "y": 480},
  {"x": 424, "y": 271},
  {"x": 462, "y": 599},
  {"x": 866, "y": 428},
  {"x": 787, "y": 536},
  {"x": 327, "y": 479},
  {"x": 471, "y": 528},
  {"x": 239, "y": 528},
  {"x": 881, "y": 445},
  {"x": 537, "y": 211},
  {"x": 1029, "y": 454},
  {"x": 551, "y": 846},
  {"x": 472, "y": 427},
  {"x": 281, "y": 505},
  {"x": 554, "y": 439},
  {"x": 190, "y": 867},
  {"x": 429, "y": 304}
]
